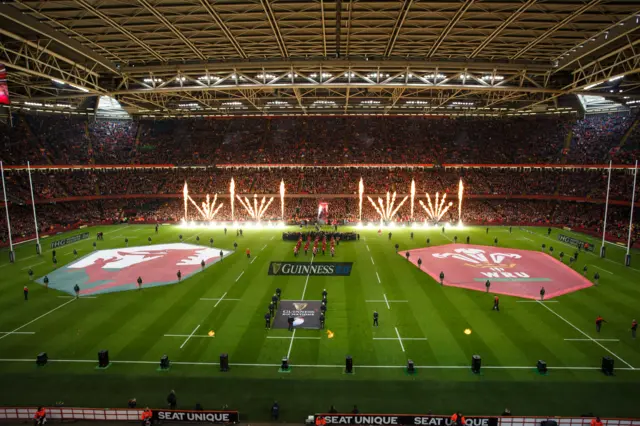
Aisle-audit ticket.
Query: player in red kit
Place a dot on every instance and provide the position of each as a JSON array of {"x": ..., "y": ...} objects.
[
  {"x": 333, "y": 251},
  {"x": 306, "y": 248},
  {"x": 295, "y": 251},
  {"x": 315, "y": 251}
]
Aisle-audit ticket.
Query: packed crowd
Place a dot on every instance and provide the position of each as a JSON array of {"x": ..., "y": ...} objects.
[
  {"x": 46, "y": 139},
  {"x": 168, "y": 182}
]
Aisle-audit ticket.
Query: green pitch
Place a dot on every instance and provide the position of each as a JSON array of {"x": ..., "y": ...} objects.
[{"x": 231, "y": 297}]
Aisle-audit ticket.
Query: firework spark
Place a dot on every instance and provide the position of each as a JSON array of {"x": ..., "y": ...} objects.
[
  {"x": 232, "y": 193},
  {"x": 256, "y": 212},
  {"x": 208, "y": 210},
  {"x": 413, "y": 195},
  {"x": 387, "y": 210},
  {"x": 436, "y": 213},
  {"x": 460, "y": 194},
  {"x": 361, "y": 193},
  {"x": 282, "y": 190}
]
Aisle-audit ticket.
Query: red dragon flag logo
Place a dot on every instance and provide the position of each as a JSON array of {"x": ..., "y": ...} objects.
[{"x": 118, "y": 269}]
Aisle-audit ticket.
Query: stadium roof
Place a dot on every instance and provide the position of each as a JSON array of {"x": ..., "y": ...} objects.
[{"x": 200, "y": 57}]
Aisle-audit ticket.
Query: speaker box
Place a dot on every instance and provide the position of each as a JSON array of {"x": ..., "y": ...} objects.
[
  {"x": 476, "y": 363},
  {"x": 164, "y": 362},
  {"x": 411, "y": 368},
  {"x": 285, "y": 364},
  {"x": 103, "y": 358},
  {"x": 42, "y": 359},
  {"x": 542, "y": 367},
  {"x": 607, "y": 365},
  {"x": 224, "y": 362},
  {"x": 348, "y": 365}
]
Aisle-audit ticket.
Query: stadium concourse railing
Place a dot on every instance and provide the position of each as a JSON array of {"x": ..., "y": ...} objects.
[{"x": 70, "y": 414}]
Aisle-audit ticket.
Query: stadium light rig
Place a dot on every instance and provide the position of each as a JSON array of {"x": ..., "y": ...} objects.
[{"x": 208, "y": 210}]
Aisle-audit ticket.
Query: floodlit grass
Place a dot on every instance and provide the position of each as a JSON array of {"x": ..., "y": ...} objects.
[{"x": 132, "y": 325}]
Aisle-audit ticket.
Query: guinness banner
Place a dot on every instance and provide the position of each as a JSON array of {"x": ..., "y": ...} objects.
[
  {"x": 60, "y": 243},
  {"x": 305, "y": 268},
  {"x": 212, "y": 417},
  {"x": 575, "y": 242},
  {"x": 400, "y": 419}
]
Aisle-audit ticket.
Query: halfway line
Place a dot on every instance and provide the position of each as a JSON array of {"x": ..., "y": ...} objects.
[
  {"x": 379, "y": 282},
  {"x": 372, "y": 261},
  {"x": 595, "y": 340},
  {"x": 241, "y": 274},
  {"x": 585, "y": 334},
  {"x": 285, "y": 337},
  {"x": 190, "y": 336},
  {"x": 254, "y": 259},
  {"x": 291, "y": 343}
]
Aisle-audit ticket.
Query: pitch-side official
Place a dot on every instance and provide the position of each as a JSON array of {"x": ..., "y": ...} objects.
[
  {"x": 271, "y": 308},
  {"x": 274, "y": 300},
  {"x": 322, "y": 321},
  {"x": 290, "y": 322},
  {"x": 634, "y": 328},
  {"x": 496, "y": 304},
  {"x": 442, "y": 278},
  {"x": 375, "y": 318},
  {"x": 267, "y": 320},
  {"x": 599, "y": 321},
  {"x": 542, "y": 292}
]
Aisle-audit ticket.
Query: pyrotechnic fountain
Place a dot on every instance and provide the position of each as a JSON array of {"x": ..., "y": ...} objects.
[
  {"x": 282, "y": 191},
  {"x": 256, "y": 212},
  {"x": 208, "y": 210},
  {"x": 360, "y": 194},
  {"x": 232, "y": 194},
  {"x": 413, "y": 195},
  {"x": 436, "y": 213},
  {"x": 460, "y": 194},
  {"x": 387, "y": 210}
]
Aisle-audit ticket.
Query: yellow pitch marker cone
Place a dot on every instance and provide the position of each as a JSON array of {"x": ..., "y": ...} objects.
[
  {"x": 467, "y": 331},
  {"x": 330, "y": 334},
  {"x": 211, "y": 333}
]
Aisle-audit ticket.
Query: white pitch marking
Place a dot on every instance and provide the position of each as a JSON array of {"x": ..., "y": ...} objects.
[
  {"x": 218, "y": 298},
  {"x": 35, "y": 264},
  {"x": 265, "y": 246},
  {"x": 254, "y": 259},
  {"x": 17, "y": 332},
  {"x": 222, "y": 297},
  {"x": 379, "y": 282},
  {"x": 602, "y": 269},
  {"x": 372, "y": 261},
  {"x": 386, "y": 301},
  {"x": 272, "y": 238},
  {"x": 399, "y": 338},
  {"x": 434, "y": 367},
  {"x": 81, "y": 297},
  {"x": 293, "y": 336},
  {"x": 41, "y": 316},
  {"x": 241, "y": 274},
  {"x": 285, "y": 337},
  {"x": 595, "y": 340},
  {"x": 368, "y": 247},
  {"x": 187, "y": 335},
  {"x": 304, "y": 290},
  {"x": 537, "y": 301},
  {"x": 585, "y": 334},
  {"x": 395, "y": 338},
  {"x": 114, "y": 230},
  {"x": 190, "y": 336},
  {"x": 528, "y": 239}
]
